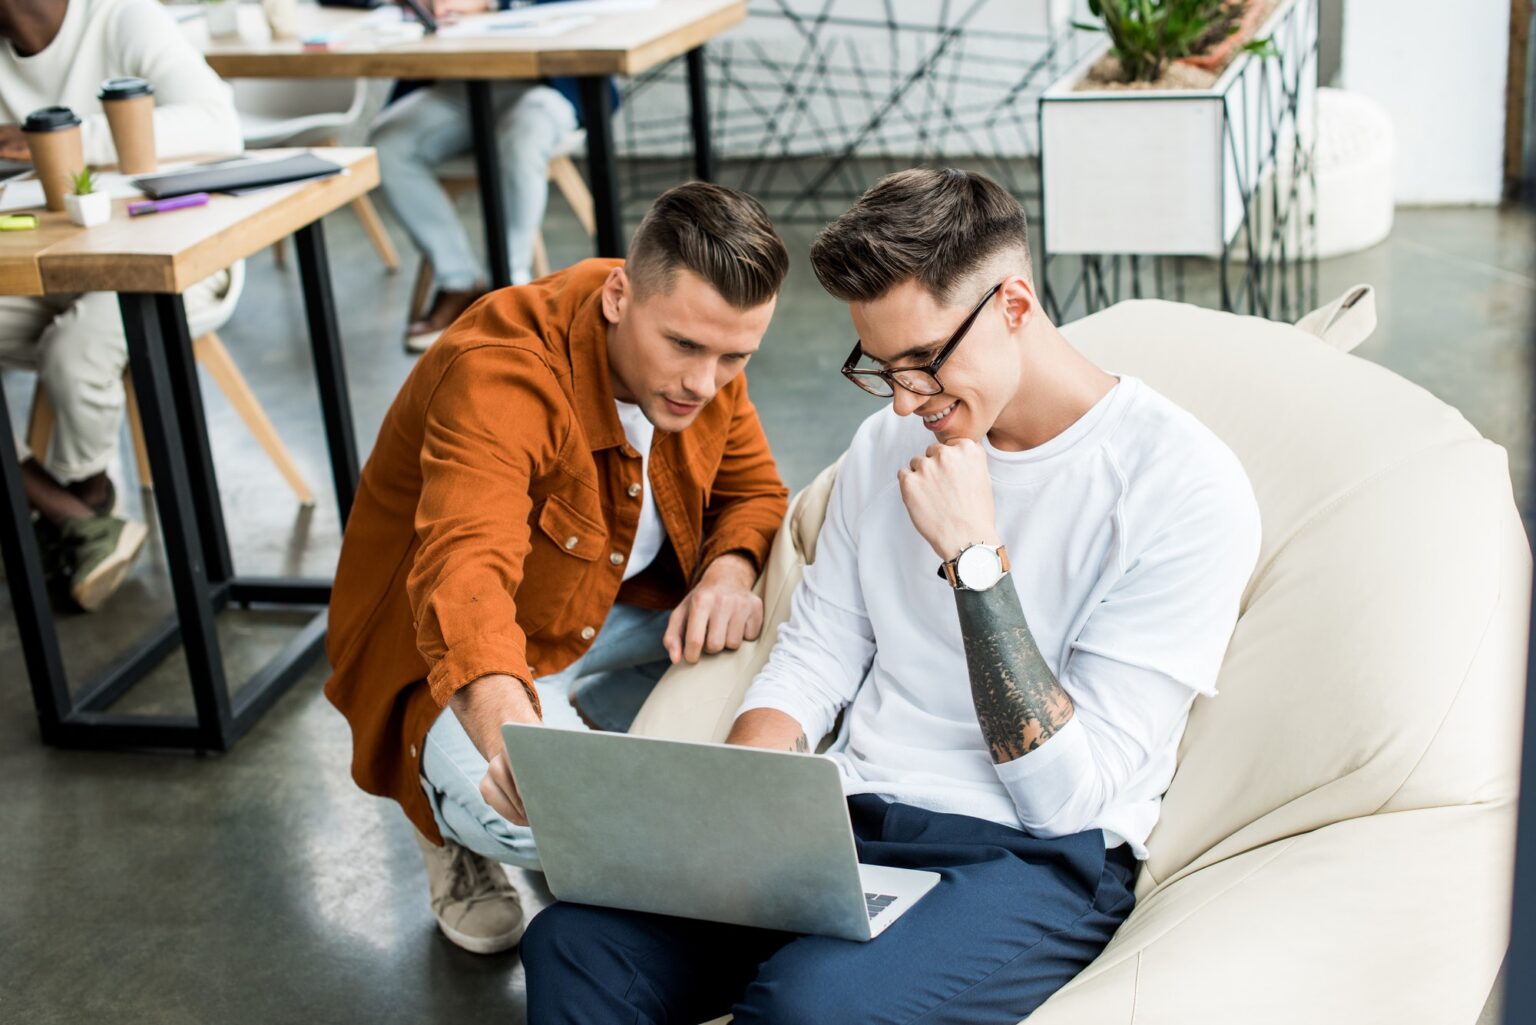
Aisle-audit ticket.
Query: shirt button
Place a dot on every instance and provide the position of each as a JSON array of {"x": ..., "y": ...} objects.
[
  {"x": 617, "y": 558},
  {"x": 533, "y": 670},
  {"x": 634, "y": 490},
  {"x": 413, "y": 750},
  {"x": 587, "y": 633},
  {"x": 570, "y": 543}
]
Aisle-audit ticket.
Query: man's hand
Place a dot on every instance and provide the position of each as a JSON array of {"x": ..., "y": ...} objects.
[
  {"x": 948, "y": 494},
  {"x": 482, "y": 706},
  {"x": 13, "y": 144},
  {"x": 719, "y": 613}
]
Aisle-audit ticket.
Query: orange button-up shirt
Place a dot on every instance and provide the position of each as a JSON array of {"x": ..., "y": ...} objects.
[{"x": 499, "y": 487}]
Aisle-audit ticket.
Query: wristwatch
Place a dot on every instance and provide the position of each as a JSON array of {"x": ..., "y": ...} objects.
[{"x": 977, "y": 568}]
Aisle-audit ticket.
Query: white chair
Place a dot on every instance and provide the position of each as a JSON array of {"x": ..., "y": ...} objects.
[
  {"x": 458, "y": 177},
  {"x": 314, "y": 112},
  {"x": 1337, "y": 844},
  {"x": 212, "y": 356}
]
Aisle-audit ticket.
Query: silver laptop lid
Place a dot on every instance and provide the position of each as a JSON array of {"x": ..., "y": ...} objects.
[{"x": 710, "y": 831}]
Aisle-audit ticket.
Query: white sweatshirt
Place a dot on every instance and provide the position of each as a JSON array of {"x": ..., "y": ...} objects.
[
  {"x": 101, "y": 39},
  {"x": 1131, "y": 535}
]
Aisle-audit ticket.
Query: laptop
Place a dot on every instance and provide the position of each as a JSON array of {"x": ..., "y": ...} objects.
[{"x": 707, "y": 831}]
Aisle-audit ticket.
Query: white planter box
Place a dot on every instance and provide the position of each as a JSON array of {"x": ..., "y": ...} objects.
[
  {"x": 89, "y": 210},
  {"x": 1167, "y": 171}
]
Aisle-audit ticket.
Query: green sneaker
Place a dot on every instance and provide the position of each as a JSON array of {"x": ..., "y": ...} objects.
[{"x": 102, "y": 550}]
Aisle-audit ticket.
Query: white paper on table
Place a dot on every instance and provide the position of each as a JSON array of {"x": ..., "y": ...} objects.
[
  {"x": 493, "y": 27},
  {"x": 22, "y": 194}
]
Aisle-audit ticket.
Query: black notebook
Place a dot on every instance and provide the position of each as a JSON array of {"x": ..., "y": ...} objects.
[{"x": 236, "y": 176}]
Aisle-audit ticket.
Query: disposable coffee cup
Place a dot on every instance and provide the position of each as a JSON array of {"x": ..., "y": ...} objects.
[
  {"x": 53, "y": 137},
  {"x": 130, "y": 107}
]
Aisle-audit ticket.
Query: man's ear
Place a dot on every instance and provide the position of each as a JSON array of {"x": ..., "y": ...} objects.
[
  {"x": 617, "y": 294},
  {"x": 1019, "y": 300}
]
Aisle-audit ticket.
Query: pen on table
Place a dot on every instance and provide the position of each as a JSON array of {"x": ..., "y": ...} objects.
[{"x": 155, "y": 206}]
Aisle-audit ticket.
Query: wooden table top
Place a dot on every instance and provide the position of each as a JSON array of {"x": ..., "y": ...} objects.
[
  {"x": 172, "y": 251},
  {"x": 615, "y": 44}
]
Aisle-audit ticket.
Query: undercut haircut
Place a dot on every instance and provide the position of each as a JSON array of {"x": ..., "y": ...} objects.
[
  {"x": 722, "y": 235},
  {"x": 937, "y": 227}
]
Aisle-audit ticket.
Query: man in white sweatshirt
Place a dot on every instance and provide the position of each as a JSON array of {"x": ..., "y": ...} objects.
[
  {"x": 1029, "y": 569},
  {"x": 58, "y": 52}
]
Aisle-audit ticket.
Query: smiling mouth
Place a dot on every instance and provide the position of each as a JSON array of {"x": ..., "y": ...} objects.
[{"x": 933, "y": 418}]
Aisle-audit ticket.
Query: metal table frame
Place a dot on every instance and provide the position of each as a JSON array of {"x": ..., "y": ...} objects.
[
  {"x": 602, "y": 166},
  {"x": 191, "y": 516}
]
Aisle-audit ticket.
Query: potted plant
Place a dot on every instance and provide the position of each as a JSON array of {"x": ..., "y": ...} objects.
[
  {"x": 1159, "y": 140},
  {"x": 223, "y": 17},
  {"x": 86, "y": 206}
]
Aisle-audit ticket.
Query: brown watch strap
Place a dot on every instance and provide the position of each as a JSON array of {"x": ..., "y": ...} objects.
[{"x": 949, "y": 569}]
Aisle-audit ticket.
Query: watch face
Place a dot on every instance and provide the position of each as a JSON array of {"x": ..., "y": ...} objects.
[{"x": 979, "y": 568}]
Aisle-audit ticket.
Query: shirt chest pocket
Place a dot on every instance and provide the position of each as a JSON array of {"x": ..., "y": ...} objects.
[
  {"x": 565, "y": 545},
  {"x": 570, "y": 531}
]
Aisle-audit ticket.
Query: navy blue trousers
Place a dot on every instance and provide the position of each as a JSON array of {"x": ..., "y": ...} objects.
[{"x": 1013, "y": 918}]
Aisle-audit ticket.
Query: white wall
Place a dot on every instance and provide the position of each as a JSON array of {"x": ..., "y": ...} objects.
[{"x": 1439, "y": 68}]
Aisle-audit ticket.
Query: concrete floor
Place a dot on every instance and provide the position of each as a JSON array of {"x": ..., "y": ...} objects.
[{"x": 262, "y": 886}]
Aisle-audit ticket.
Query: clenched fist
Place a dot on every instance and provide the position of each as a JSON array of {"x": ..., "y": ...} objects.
[{"x": 948, "y": 494}]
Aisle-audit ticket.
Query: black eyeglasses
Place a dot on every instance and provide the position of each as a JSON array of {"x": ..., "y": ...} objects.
[{"x": 923, "y": 380}]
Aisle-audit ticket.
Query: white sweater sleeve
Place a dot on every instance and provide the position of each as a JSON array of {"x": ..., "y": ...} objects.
[
  {"x": 194, "y": 107},
  {"x": 825, "y": 648},
  {"x": 1152, "y": 643}
]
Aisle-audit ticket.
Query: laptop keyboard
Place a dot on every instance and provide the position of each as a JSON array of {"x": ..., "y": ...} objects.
[{"x": 875, "y": 903}]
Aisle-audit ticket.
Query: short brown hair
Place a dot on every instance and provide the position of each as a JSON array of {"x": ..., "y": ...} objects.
[
  {"x": 722, "y": 235},
  {"x": 935, "y": 226}
]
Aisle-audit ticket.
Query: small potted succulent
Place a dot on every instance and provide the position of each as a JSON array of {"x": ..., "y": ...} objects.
[
  {"x": 1159, "y": 139},
  {"x": 86, "y": 206}
]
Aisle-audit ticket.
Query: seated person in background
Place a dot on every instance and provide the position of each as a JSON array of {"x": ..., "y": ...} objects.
[
  {"x": 515, "y": 523},
  {"x": 59, "y": 52},
  {"x": 1010, "y": 728},
  {"x": 430, "y": 125}
]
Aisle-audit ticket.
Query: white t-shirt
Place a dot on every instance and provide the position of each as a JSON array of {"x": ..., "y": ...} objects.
[
  {"x": 1131, "y": 536},
  {"x": 100, "y": 39},
  {"x": 650, "y": 534}
]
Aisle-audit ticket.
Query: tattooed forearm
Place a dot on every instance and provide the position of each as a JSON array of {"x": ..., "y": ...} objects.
[
  {"x": 1018, "y": 701},
  {"x": 801, "y": 744}
]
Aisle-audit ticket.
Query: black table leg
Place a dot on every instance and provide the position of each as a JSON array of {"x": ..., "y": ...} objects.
[
  {"x": 482, "y": 126},
  {"x": 330, "y": 371},
  {"x": 28, "y": 591},
  {"x": 698, "y": 101},
  {"x": 602, "y": 168},
  {"x": 179, "y": 515},
  {"x": 187, "y": 393}
]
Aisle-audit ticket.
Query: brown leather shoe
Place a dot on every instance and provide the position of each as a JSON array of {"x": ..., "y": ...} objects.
[{"x": 447, "y": 307}]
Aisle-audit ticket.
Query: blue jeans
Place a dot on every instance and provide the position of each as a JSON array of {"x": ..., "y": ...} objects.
[
  {"x": 1013, "y": 919},
  {"x": 431, "y": 125},
  {"x": 611, "y": 681}
]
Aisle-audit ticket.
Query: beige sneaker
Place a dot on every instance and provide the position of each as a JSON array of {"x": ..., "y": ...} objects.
[{"x": 474, "y": 903}]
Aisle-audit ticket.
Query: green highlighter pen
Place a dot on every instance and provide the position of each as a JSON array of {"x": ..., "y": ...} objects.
[{"x": 18, "y": 222}]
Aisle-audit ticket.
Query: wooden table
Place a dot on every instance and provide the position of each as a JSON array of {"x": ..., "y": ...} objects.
[
  {"x": 149, "y": 262},
  {"x": 616, "y": 44}
]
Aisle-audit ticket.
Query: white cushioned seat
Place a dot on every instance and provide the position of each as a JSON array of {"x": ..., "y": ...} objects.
[{"x": 1336, "y": 845}]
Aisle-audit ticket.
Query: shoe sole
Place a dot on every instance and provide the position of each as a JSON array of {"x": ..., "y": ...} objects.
[
  {"x": 418, "y": 344},
  {"x": 105, "y": 579},
  {"x": 485, "y": 944}
]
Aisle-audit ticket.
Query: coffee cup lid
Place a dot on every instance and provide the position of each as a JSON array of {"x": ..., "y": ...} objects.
[
  {"x": 125, "y": 88},
  {"x": 50, "y": 119}
]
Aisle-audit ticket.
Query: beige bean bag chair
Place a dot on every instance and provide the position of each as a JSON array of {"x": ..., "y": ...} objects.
[{"x": 1337, "y": 843}]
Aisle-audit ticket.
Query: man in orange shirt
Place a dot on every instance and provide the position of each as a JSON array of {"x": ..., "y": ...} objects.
[{"x": 572, "y": 488}]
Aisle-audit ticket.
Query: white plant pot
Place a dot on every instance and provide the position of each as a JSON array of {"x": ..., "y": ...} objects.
[
  {"x": 88, "y": 210},
  {"x": 223, "y": 17},
  {"x": 1167, "y": 171}
]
